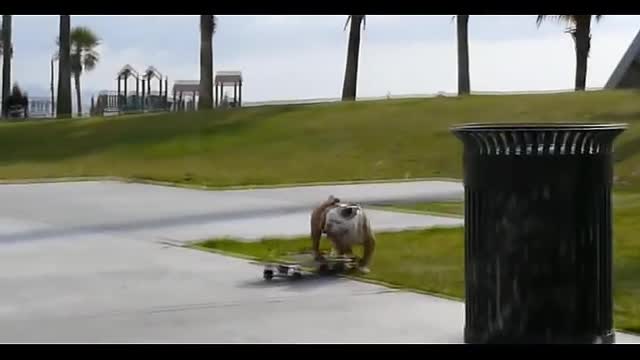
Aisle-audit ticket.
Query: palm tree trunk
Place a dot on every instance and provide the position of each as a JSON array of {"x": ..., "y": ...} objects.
[
  {"x": 76, "y": 78},
  {"x": 53, "y": 98},
  {"x": 582, "y": 38},
  {"x": 464, "y": 86},
  {"x": 7, "y": 50},
  {"x": 349, "y": 87},
  {"x": 206, "y": 62},
  {"x": 63, "y": 107}
]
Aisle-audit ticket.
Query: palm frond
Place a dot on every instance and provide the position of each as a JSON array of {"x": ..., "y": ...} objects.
[
  {"x": 84, "y": 56},
  {"x": 569, "y": 19},
  {"x": 213, "y": 24},
  {"x": 347, "y": 23},
  {"x": 362, "y": 18},
  {"x": 83, "y": 37},
  {"x": 558, "y": 18},
  {"x": 90, "y": 60}
]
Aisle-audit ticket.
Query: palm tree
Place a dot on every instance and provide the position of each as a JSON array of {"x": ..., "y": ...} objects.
[
  {"x": 84, "y": 56},
  {"x": 7, "y": 52},
  {"x": 464, "y": 82},
  {"x": 353, "y": 53},
  {"x": 207, "y": 29},
  {"x": 580, "y": 30},
  {"x": 63, "y": 106}
]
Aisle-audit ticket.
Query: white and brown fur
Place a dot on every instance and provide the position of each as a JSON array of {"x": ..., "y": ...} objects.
[{"x": 329, "y": 218}]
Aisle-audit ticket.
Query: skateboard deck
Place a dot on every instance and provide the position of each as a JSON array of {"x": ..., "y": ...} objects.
[{"x": 306, "y": 265}]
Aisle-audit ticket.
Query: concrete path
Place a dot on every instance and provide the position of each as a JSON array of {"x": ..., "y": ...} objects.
[
  {"x": 40, "y": 211},
  {"x": 115, "y": 290},
  {"x": 83, "y": 263},
  {"x": 106, "y": 289}
]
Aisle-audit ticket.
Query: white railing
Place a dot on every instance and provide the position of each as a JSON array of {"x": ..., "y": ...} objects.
[{"x": 406, "y": 96}]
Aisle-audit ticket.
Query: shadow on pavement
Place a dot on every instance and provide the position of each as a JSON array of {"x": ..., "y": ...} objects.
[{"x": 307, "y": 281}]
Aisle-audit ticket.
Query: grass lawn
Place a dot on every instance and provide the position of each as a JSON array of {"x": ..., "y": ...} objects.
[
  {"x": 432, "y": 260},
  {"x": 270, "y": 145}
]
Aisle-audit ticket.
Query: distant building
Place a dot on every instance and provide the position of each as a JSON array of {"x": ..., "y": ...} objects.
[{"x": 627, "y": 74}]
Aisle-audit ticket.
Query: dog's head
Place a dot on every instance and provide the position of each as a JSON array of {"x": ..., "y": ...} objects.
[
  {"x": 341, "y": 219},
  {"x": 348, "y": 211}
]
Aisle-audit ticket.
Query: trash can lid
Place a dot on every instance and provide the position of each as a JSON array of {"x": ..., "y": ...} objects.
[
  {"x": 479, "y": 127},
  {"x": 536, "y": 139}
]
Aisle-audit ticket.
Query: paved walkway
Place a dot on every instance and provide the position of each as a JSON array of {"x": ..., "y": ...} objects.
[
  {"x": 82, "y": 263},
  {"x": 40, "y": 211},
  {"x": 117, "y": 290},
  {"x": 105, "y": 289}
]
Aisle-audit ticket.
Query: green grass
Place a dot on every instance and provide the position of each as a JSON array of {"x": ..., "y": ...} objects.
[
  {"x": 428, "y": 260},
  {"x": 432, "y": 260},
  {"x": 621, "y": 200},
  {"x": 293, "y": 144}
]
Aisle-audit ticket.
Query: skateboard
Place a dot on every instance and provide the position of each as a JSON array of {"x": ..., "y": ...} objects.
[{"x": 296, "y": 269}]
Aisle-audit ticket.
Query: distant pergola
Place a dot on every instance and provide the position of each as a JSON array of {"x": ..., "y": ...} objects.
[
  {"x": 190, "y": 89},
  {"x": 124, "y": 74},
  {"x": 228, "y": 78},
  {"x": 150, "y": 74},
  {"x": 185, "y": 87},
  {"x": 144, "y": 79}
]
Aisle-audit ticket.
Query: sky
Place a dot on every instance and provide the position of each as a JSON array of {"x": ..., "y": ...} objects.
[{"x": 288, "y": 57}]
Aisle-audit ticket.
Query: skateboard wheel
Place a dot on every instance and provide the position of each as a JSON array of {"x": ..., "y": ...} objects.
[{"x": 267, "y": 274}]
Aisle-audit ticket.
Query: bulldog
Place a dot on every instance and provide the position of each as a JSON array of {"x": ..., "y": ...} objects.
[{"x": 346, "y": 225}]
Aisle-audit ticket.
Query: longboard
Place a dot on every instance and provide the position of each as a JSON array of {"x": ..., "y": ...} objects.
[{"x": 296, "y": 269}]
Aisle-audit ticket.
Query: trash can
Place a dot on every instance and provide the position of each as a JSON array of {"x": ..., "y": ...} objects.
[{"x": 538, "y": 233}]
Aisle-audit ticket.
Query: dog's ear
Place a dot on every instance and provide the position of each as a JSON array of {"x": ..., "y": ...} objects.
[{"x": 333, "y": 199}]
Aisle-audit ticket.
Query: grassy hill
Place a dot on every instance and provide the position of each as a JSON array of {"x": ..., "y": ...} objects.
[{"x": 286, "y": 144}]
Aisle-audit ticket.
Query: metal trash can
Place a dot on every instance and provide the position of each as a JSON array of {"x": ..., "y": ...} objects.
[{"x": 538, "y": 233}]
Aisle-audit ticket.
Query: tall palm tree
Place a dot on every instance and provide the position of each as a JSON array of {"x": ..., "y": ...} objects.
[
  {"x": 464, "y": 82},
  {"x": 7, "y": 52},
  {"x": 63, "y": 106},
  {"x": 84, "y": 56},
  {"x": 580, "y": 30},
  {"x": 353, "y": 53},
  {"x": 207, "y": 29}
]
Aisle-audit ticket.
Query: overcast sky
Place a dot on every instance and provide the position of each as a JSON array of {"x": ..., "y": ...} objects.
[{"x": 298, "y": 57}]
